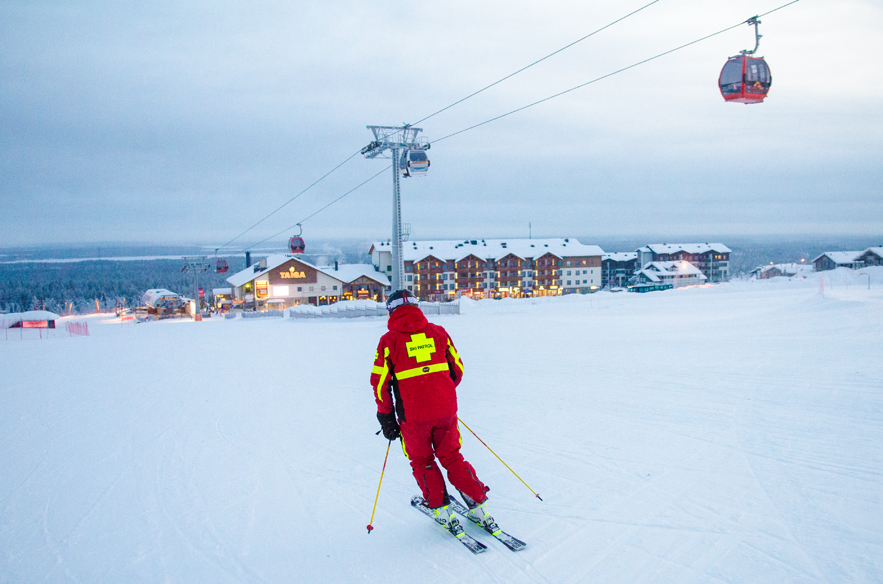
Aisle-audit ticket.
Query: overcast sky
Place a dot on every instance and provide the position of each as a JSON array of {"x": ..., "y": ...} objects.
[{"x": 174, "y": 122}]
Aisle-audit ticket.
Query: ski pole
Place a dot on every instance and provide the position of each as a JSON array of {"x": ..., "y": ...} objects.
[
  {"x": 501, "y": 460},
  {"x": 377, "y": 496}
]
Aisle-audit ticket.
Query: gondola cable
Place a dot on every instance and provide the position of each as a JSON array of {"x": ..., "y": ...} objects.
[
  {"x": 308, "y": 217},
  {"x": 564, "y": 48},
  {"x": 474, "y": 126},
  {"x": 632, "y": 66},
  {"x": 459, "y": 101},
  {"x": 317, "y": 181}
]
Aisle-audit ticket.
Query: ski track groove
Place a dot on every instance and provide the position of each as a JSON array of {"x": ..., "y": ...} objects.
[
  {"x": 33, "y": 470},
  {"x": 54, "y": 547},
  {"x": 212, "y": 561},
  {"x": 817, "y": 575}
]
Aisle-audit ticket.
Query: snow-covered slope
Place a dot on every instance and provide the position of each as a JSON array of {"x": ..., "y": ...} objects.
[{"x": 716, "y": 434}]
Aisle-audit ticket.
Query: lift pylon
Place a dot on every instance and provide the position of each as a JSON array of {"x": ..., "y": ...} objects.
[{"x": 391, "y": 142}]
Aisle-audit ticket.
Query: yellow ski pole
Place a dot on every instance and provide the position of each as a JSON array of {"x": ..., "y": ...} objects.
[
  {"x": 501, "y": 460},
  {"x": 377, "y": 496}
]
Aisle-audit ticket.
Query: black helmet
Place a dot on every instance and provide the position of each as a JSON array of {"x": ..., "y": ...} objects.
[{"x": 400, "y": 298}]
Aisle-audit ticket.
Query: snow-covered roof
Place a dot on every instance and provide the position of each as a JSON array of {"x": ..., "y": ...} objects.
[
  {"x": 672, "y": 269},
  {"x": 787, "y": 269},
  {"x": 345, "y": 273},
  {"x": 695, "y": 248},
  {"x": 877, "y": 251},
  {"x": 30, "y": 315},
  {"x": 150, "y": 297},
  {"x": 220, "y": 291},
  {"x": 492, "y": 248},
  {"x": 272, "y": 262},
  {"x": 620, "y": 256},
  {"x": 840, "y": 257},
  {"x": 350, "y": 272}
]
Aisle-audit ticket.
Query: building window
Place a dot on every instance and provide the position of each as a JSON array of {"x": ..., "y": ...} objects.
[
  {"x": 334, "y": 287},
  {"x": 323, "y": 288},
  {"x": 311, "y": 288},
  {"x": 300, "y": 289},
  {"x": 388, "y": 268},
  {"x": 568, "y": 282}
]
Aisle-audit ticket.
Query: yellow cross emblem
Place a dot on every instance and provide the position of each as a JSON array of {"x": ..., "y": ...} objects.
[{"x": 420, "y": 347}]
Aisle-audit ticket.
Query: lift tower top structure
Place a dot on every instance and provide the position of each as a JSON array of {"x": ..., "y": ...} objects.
[{"x": 391, "y": 142}]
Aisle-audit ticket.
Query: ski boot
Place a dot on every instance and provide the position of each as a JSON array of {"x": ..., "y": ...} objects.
[
  {"x": 445, "y": 517},
  {"x": 479, "y": 514}
]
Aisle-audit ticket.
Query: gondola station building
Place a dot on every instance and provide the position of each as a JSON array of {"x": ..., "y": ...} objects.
[
  {"x": 281, "y": 281},
  {"x": 484, "y": 268}
]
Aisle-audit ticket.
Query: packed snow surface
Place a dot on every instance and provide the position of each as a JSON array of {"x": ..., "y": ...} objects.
[{"x": 712, "y": 434}]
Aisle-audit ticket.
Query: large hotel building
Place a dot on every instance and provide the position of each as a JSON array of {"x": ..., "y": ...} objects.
[{"x": 481, "y": 268}]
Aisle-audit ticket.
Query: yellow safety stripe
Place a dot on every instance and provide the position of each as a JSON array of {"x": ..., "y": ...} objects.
[
  {"x": 455, "y": 354},
  {"x": 416, "y": 371},
  {"x": 383, "y": 372},
  {"x": 405, "y": 450}
]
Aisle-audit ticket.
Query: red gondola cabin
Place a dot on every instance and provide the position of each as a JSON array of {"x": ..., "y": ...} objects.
[
  {"x": 296, "y": 244},
  {"x": 745, "y": 79},
  {"x": 222, "y": 266}
]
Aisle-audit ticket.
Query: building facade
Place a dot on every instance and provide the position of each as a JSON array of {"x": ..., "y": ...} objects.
[
  {"x": 873, "y": 256},
  {"x": 443, "y": 270},
  {"x": 677, "y": 274},
  {"x": 712, "y": 259},
  {"x": 836, "y": 259},
  {"x": 281, "y": 281},
  {"x": 617, "y": 269}
]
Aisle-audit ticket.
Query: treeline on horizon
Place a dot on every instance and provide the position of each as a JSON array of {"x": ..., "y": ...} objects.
[{"x": 54, "y": 286}]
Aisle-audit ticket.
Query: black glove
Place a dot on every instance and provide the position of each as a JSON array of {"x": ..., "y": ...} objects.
[{"x": 388, "y": 425}]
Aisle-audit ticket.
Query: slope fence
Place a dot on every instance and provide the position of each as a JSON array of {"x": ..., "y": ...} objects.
[{"x": 77, "y": 328}]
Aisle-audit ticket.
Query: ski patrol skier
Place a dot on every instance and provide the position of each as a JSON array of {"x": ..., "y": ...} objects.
[{"x": 415, "y": 375}]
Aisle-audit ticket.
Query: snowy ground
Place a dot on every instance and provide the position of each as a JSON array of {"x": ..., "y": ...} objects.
[{"x": 717, "y": 434}]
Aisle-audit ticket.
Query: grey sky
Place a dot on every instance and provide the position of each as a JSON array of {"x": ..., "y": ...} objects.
[{"x": 188, "y": 122}]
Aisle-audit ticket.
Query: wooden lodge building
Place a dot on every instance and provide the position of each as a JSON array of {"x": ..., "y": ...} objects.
[
  {"x": 855, "y": 260},
  {"x": 281, "y": 281},
  {"x": 483, "y": 268}
]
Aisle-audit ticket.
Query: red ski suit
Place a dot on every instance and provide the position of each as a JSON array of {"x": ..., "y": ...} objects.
[{"x": 416, "y": 372}]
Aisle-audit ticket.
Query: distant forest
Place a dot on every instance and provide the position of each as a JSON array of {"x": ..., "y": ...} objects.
[{"x": 53, "y": 286}]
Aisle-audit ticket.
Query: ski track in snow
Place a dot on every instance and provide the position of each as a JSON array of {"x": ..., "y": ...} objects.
[{"x": 717, "y": 434}]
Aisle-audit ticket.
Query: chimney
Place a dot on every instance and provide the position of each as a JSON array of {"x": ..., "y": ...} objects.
[
  {"x": 248, "y": 259},
  {"x": 335, "y": 265}
]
